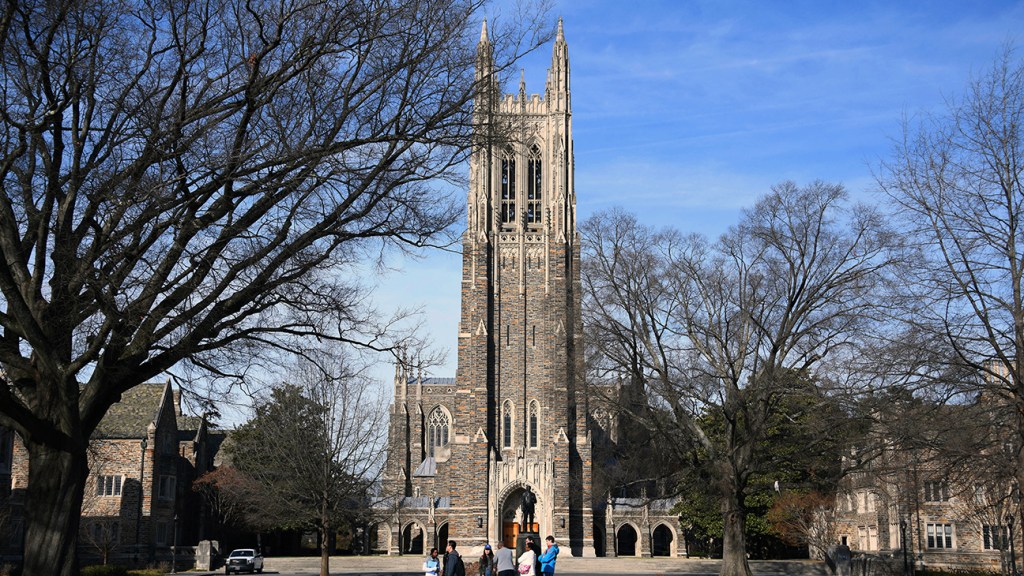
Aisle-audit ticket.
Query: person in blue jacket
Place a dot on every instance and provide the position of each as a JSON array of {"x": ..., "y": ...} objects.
[{"x": 547, "y": 559}]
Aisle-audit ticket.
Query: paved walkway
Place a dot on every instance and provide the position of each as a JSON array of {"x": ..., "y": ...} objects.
[{"x": 410, "y": 566}]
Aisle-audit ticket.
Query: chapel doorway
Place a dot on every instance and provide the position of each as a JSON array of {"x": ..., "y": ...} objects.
[{"x": 512, "y": 516}]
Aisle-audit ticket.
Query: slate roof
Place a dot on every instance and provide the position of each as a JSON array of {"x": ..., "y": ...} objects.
[
  {"x": 434, "y": 381},
  {"x": 655, "y": 504},
  {"x": 424, "y": 502},
  {"x": 426, "y": 468},
  {"x": 130, "y": 417}
]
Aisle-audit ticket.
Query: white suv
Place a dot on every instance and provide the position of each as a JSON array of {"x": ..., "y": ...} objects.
[{"x": 244, "y": 560}]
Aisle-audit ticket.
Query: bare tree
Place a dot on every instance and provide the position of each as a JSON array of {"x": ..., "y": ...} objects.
[
  {"x": 723, "y": 332},
  {"x": 955, "y": 179},
  {"x": 188, "y": 181},
  {"x": 316, "y": 447}
]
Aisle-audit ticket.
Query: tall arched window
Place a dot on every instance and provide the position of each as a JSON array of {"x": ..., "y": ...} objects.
[
  {"x": 506, "y": 424},
  {"x": 508, "y": 186},
  {"x": 534, "y": 421},
  {"x": 438, "y": 425},
  {"x": 534, "y": 180}
]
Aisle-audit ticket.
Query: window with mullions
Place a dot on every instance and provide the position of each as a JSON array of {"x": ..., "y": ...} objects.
[
  {"x": 108, "y": 485},
  {"x": 506, "y": 425},
  {"x": 534, "y": 418},
  {"x": 940, "y": 535},
  {"x": 534, "y": 181},
  {"x": 437, "y": 430},
  {"x": 508, "y": 187},
  {"x": 994, "y": 537}
]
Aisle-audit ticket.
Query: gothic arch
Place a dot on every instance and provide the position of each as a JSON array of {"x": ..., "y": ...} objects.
[
  {"x": 533, "y": 424},
  {"x": 627, "y": 540},
  {"x": 411, "y": 542},
  {"x": 507, "y": 184},
  {"x": 441, "y": 537},
  {"x": 519, "y": 485},
  {"x": 437, "y": 432},
  {"x": 534, "y": 189},
  {"x": 508, "y": 424},
  {"x": 664, "y": 540}
]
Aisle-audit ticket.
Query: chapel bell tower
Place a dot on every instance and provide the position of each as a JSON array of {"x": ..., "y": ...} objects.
[{"x": 520, "y": 348}]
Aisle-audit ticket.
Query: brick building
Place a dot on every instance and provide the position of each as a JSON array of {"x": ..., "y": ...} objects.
[
  {"x": 464, "y": 450},
  {"x": 143, "y": 458}
]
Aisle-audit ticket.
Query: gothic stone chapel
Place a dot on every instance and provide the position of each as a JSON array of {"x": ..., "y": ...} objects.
[{"x": 463, "y": 451}]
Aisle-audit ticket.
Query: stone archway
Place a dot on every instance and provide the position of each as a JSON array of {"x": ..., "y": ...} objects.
[
  {"x": 627, "y": 541},
  {"x": 413, "y": 538},
  {"x": 442, "y": 537},
  {"x": 663, "y": 541},
  {"x": 510, "y": 513}
]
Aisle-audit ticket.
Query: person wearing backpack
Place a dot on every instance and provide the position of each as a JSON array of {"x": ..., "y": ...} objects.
[{"x": 453, "y": 564}]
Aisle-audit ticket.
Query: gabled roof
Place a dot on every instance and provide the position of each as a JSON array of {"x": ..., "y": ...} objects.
[{"x": 130, "y": 417}]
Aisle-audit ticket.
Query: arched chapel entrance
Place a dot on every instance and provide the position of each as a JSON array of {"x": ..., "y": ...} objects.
[{"x": 511, "y": 515}]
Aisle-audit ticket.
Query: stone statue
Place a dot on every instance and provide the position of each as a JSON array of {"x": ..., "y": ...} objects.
[{"x": 527, "y": 506}]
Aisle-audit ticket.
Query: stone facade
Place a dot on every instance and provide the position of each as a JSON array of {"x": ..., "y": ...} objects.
[
  {"x": 464, "y": 450},
  {"x": 945, "y": 524},
  {"x": 143, "y": 459}
]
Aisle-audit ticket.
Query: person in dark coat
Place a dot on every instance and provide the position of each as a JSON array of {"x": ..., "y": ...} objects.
[{"x": 453, "y": 564}]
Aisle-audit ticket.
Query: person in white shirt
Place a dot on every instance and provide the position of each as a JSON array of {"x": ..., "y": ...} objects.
[{"x": 528, "y": 561}]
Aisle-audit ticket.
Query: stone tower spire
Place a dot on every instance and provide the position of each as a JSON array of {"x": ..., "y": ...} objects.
[{"x": 558, "y": 74}]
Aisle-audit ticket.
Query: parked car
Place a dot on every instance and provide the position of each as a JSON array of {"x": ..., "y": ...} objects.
[{"x": 244, "y": 560}]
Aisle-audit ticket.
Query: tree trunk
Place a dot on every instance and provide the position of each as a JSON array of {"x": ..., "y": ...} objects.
[
  {"x": 734, "y": 540},
  {"x": 325, "y": 548},
  {"x": 53, "y": 508}
]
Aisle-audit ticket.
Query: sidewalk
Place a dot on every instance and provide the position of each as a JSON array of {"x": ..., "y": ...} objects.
[{"x": 411, "y": 565}]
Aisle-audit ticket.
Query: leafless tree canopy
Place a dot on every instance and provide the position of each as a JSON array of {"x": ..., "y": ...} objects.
[
  {"x": 956, "y": 179},
  {"x": 728, "y": 329},
  {"x": 187, "y": 180}
]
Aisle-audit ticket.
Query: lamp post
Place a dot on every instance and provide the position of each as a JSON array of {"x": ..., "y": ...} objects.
[
  {"x": 142, "y": 495},
  {"x": 903, "y": 545},
  {"x": 174, "y": 545},
  {"x": 1013, "y": 556}
]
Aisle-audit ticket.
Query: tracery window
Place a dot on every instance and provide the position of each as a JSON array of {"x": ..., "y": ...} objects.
[
  {"x": 506, "y": 425},
  {"x": 534, "y": 180},
  {"x": 534, "y": 423},
  {"x": 508, "y": 187},
  {"x": 438, "y": 424}
]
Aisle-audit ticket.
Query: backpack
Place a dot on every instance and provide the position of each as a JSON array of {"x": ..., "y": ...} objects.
[{"x": 460, "y": 567}]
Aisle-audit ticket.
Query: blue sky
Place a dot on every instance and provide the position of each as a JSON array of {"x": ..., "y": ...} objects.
[{"x": 686, "y": 112}]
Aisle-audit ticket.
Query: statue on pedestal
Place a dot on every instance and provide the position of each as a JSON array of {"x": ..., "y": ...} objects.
[{"x": 527, "y": 505}]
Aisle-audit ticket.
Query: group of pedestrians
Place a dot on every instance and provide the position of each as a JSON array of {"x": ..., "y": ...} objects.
[{"x": 500, "y": 563}]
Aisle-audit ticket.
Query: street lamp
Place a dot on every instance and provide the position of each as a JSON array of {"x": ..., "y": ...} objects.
[
  {"x": 174, "y": 545},
  {"x": 1013, "y": 556},
  {"x": 903, "y": 545},
  {"x": 142, "y": 495}
]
